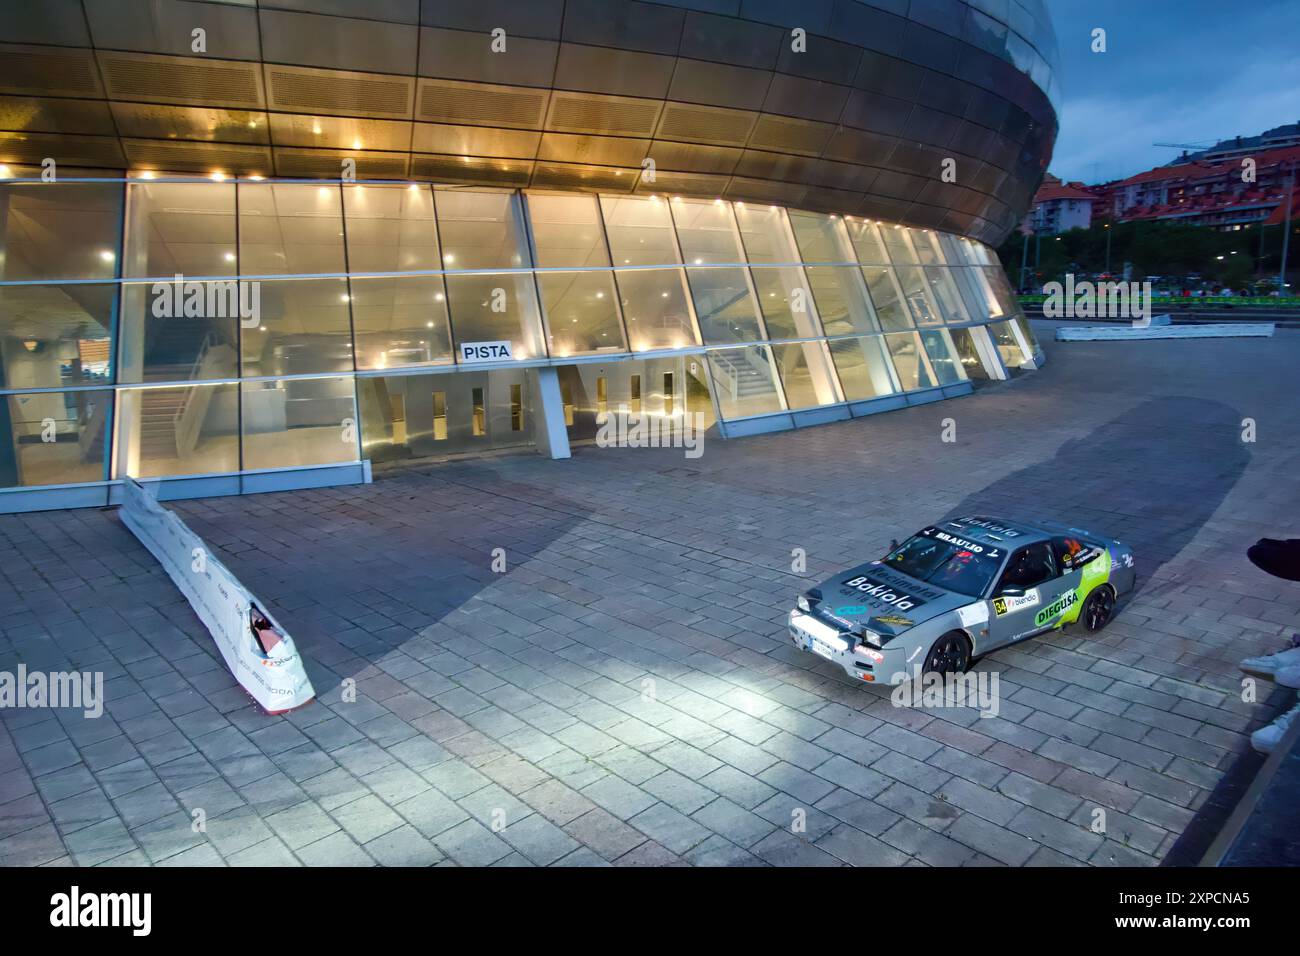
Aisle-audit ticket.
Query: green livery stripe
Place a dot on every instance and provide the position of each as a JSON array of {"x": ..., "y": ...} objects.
[{"x": 1095, "y": 572}]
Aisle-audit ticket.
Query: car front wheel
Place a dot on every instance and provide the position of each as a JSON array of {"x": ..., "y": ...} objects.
[
  {"x": 950, "y": 654},
  {"x": 1097, "y": 608}
]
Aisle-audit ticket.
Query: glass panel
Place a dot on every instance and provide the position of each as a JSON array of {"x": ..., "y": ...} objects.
[
  {"x": 580, "y": 313},
  {"x": 411, "y": 416},
  {"x": 806, "y": 375},
  {"x": 298, "y": 422},
  {"x": 501, "y": 307},
  {"x": 841, "y": 298},
  {"x": 870, "y": 248},
  {"x": 862, "y": 367},
  {"x": 943, "y": 357},
  {"x": 481, "y": 229},
  {"x": 1001, "y": 290},
  {"x": 706, "y": 231},
  {"x": 821, "y": 238},
  {"x": 786, "y": 302},
  {"x": 390, "y": 228},
  {"x": 926, "y": 246},
  {"x": 968, "y": 353},
  {"x": 54, "y": 335},
  {"x": 1013, "y": 356},
  {"x": 900, "y": 251},
  {"x": 400, "y": 321},
  {"x": 944, "y": 292},
  {"x": 303, "y": 327},
  {"x": 178, "y": 431},
  {"x": 54, "y": 438},
  {"x": 640, "y": 231},
  {"x": 724, "y": 305},
  {"x": 909, "y": 361},
  {"x": 992, "y": 308},
  {"x": 179, "y": 333},
  {"x": 1027, "y": 332},
  {"x": 180, "y": 229},
  {"x": 654, "y": 305},
  {"x": 917, "y": 293},
  {"x": 290, "y": 229},
  {"x": 59, "y": 230},
  {"x": 567, "y": 231},
  {"x": 766, "y": 234},
  {"x": 744, "y": 381},
  {"x": 887, "y": 297},
  {"x": 972, "y": 292}
]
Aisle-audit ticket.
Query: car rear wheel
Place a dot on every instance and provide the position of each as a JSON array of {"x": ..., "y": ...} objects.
[
  {"x": 1098, "y": 607},
  {"x": 950, "y": 654}
]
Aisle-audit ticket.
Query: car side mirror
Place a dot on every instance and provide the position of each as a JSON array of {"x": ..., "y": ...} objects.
[
  {"x": 1011, "y": 590},
  {"x": 893, "y": 545}
]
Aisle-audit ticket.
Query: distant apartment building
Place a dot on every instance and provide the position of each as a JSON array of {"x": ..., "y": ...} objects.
[
  {"x": 1278, "y": 137},
  {"x": 1205, "y": 192},
  {"x": 1060, "y": 207}
]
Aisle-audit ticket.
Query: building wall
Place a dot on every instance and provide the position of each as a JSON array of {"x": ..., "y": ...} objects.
[{"x": 833, "y": 105}]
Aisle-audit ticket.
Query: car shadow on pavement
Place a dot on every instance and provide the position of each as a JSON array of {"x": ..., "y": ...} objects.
[{"x": 1151, "y": 477}]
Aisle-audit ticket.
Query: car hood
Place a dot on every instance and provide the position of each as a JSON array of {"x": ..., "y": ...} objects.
[{"x": 884, "y": 600}]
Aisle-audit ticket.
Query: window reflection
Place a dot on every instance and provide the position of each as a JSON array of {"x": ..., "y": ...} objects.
[
  {"x": 724, "y": 305},
  {"x": 706, "y": 231},
  {"x": 59, "y": 230},
  {"x": 172, "y": 333},
  {"x": 290, "y": 229},
  {"x": 567, "y": 230},
  {"x": 654, "y": 305},
  {"x": 181, "y": 229},
  {"x": 298, "y": 422},
  {"x": 943, "y": 357},
  {"x": 390, "y": 228},
  {"x": 54, "y": 438},
  {"x": 581, "y": 316},
  {"x": 909, "y": 361},
  {"x": 744, "y": 381},
  {"x": 400, "y": 321},
  {"x": 786, "y": 301},
  {"x": 806, "y": 375},
  {"x": 766, "y": 234},
  {"x": 481, "y": 229},
  {"x": 640, "y": 230},
  {"x": 54, "y": 335},
  {"x": 821, "y": 238},
  {"x": 498, "y": 307},
  {"x": 841, "y": 298},
  {"x": 178, "y": 431},
  {"x": 303, "y": 326},
  {"x": 862, "y": 367}
]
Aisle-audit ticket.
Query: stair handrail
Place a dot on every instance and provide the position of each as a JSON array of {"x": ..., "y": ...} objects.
[{"x": 185, "y": 425}]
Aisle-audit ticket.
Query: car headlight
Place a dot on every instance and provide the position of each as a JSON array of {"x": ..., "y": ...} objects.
[
  {"x": 871, "y": 637},
  {"x": 803, "y": 605}
]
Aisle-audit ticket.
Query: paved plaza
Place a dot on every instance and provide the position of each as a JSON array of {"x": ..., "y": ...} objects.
[{"x": 625, "y": 692}]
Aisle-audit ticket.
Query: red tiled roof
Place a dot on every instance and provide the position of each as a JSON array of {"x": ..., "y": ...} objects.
[{"x": 1048, "y": 192}]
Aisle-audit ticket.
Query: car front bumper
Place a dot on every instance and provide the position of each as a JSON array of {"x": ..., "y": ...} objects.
[{"x": 878, "y": 666}]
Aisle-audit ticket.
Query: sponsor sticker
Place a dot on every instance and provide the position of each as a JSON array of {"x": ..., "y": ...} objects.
[
  {"x": 1060, "y": 605},
  {"x": 884, "y": 593},
  {"x": 894, "y": 620},
  {"x": 972, "y": 614},
  {"x": 1009, "y": 603}
]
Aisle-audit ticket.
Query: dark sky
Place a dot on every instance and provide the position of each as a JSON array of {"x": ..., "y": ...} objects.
[{"x": 1174, "y": 71}]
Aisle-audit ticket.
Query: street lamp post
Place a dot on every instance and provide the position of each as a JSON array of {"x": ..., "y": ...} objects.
[
  {"x": 1107, "y": 228},
  {"x": 1286, "y": 231}
]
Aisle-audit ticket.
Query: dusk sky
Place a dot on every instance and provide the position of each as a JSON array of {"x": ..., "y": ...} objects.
[{"x": 1174, "y": 71}]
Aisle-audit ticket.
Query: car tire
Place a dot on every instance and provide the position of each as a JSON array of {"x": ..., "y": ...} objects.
[
  {"x": 1098, "y": 607},
  {"x": 949, "y": 654}
]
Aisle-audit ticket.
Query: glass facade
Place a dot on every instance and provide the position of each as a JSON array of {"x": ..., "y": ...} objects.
[{"x": 168, "y": 327}]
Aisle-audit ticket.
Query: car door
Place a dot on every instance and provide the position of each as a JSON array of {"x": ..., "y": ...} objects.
[{"x": 1030, "y": 584}]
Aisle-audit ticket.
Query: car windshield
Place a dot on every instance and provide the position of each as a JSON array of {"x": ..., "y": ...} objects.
[{"x": 947, "y": 564}]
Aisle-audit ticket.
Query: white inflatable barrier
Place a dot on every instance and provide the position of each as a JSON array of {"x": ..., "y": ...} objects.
[
  {"x": 259, "y": 653},
  {"x": 1102, "y": 333}
]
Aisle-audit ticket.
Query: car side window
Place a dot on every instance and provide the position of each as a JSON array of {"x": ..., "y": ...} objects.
[{"x": 1029, "y": 567}]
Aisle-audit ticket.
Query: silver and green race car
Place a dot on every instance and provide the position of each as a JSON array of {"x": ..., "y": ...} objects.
[{"x": 957, "y": 590}]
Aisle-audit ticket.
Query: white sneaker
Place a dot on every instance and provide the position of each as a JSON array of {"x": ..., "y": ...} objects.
[
  {"x": 1270, "y": 664},
  {"x": 1266, "y": 738},
  {"x": 1289, "y": 677}
]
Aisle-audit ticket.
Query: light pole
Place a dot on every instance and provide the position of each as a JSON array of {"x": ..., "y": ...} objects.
[
  {"x": 1286, "y": 231},
  {"x": 1107, "y": 228}
]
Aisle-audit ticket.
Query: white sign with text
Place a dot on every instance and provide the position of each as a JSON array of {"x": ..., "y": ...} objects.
[{"x": 485, "y": 351}]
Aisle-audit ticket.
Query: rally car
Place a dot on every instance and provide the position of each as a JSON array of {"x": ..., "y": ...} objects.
[{"x": 955, "y": 591}]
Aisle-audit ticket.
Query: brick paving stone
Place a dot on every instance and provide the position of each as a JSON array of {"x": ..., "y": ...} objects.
[{"x": 633, "y": 665}]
